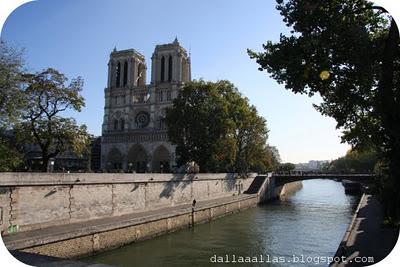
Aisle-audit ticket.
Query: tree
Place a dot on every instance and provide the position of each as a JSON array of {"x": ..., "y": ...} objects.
[
  {"x": 248, "y": 130},
  {"x": 355, "y": 161},
  {"x": 197, "y": 123},
  {"x": 275, "y": 156},
  {"x": 275, "y": 152},
  {"x": 11, "y": 75},
  {"x": 213, "y": 125},
  {"x": 47, "y": 95},
  {"x": 286, "y": 167},
  {"x": 10, "y": 157},
  {"x": 348, "y": 52}
]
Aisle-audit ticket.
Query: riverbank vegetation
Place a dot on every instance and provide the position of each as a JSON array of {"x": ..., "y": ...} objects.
[
  {"x": 286, "y": 167},
  {"x": 355, "y": 161},
  {"x": 31, "y": 107},
  {"x": 212, "y": 124},
  {"x": 348, "y": 53}
]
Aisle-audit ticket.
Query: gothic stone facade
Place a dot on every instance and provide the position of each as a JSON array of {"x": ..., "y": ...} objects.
[{"x": 134, "y": 135}]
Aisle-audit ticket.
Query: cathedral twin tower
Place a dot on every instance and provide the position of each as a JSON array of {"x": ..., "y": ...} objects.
[{"x": 134, "y": 135}]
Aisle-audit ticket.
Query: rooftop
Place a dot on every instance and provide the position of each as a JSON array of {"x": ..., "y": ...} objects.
[{"x": 116, "y": 53}]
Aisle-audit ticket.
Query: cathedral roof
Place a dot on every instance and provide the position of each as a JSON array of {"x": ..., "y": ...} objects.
[
  {"x": 126, "y": 52},
  {"x": 170, "y": 46}
]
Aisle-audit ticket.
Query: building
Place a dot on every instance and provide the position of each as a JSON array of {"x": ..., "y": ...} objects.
[
  {"x": 95, "y": 154},
  {"x": 63, "y": 162},
  {"x": 134, "y": 134},
  {"x": 312, "y": 165},
  {"x": 66, "y": 161}
]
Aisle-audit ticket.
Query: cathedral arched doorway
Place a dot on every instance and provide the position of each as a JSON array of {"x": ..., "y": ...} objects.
[
  {"x": 161, "y": 160},
  {"x": 114, "y": 160},
  {"x": 137, "y": 159}
]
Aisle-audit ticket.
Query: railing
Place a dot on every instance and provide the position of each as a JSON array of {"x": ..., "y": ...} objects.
[
  {"x": 321, "y": 174},
  {"x": 288, "y": 177}
]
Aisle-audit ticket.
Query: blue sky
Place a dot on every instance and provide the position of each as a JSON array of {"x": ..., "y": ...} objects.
[{"x": 76, "y": 37}]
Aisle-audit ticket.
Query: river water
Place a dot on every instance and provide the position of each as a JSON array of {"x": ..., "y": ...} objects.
[{"x": 305, "y": 228}]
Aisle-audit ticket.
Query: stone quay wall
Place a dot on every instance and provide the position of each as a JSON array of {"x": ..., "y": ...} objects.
[
  {"x": 31, "y": 201},
  {"x": 102, "y": 240},
  {"x": 270, "y": 191},
  {"x": 288, "y": 189}
]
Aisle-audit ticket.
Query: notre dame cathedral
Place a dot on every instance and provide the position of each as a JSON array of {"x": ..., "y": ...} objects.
[{"x": 134, "y": 135}]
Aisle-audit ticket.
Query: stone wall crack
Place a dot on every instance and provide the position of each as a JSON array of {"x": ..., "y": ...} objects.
[
  {"x": 11, "y": 208},
  {"x": 70, "y": 202},
  {"x": 112, "y": 199}
]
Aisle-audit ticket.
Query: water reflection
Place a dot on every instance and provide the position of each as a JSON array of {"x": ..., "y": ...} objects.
[{"x": 309, "y": 223}]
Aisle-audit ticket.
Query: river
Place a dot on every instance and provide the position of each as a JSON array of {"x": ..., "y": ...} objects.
[{"x": 306, "y": 227}]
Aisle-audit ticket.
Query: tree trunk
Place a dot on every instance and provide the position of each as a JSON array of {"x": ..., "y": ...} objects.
[{"x": 45, "y": 163}]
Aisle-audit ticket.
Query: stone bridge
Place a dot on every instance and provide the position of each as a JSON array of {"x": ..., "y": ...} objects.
[
  {"x": 272, "y": 185},
  {"x": 284, "y": 178}
]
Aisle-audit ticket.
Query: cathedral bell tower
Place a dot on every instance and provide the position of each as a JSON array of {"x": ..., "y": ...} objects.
[
  {"x": 170, "y": 64},
  {"x": 134, "y": 133},
  {"x": 126, "y": 68}
]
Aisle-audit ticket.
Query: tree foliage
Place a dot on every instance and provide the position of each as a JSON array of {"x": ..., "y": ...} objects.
[
  {"x": 30, "y": 111},
  {"x": 47, "y": 95},
  {"x": 11, "y": 75},
  {"x": 10, "y": 157},
  {"x": 355, "y": 162},
  {"x": 348, "y": 53},
  {"x": 286, "y": 167},
  {"x": 215, "y": 126}
]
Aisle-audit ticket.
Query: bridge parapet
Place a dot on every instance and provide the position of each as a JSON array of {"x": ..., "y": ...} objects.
[{"x": 288, "y": 177}]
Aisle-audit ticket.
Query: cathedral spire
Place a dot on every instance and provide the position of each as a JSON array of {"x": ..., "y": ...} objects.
[{"x": 176, "y": 40}]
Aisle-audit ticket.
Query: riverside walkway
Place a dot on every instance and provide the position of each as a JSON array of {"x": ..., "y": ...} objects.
[
  {"x": 366, "y": 236},
  {"x": 203, "y": 211}
]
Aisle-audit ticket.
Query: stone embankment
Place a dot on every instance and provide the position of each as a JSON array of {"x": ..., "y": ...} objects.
[
  {"x": 73, "y": 215},
  {"x": 85, "y": 238},
  {"x": 366, "y": 240},
  {"x": 30, "y": 201}
]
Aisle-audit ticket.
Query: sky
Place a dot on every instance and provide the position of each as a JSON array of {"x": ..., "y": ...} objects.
[{"x": 77, "y": 36}]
